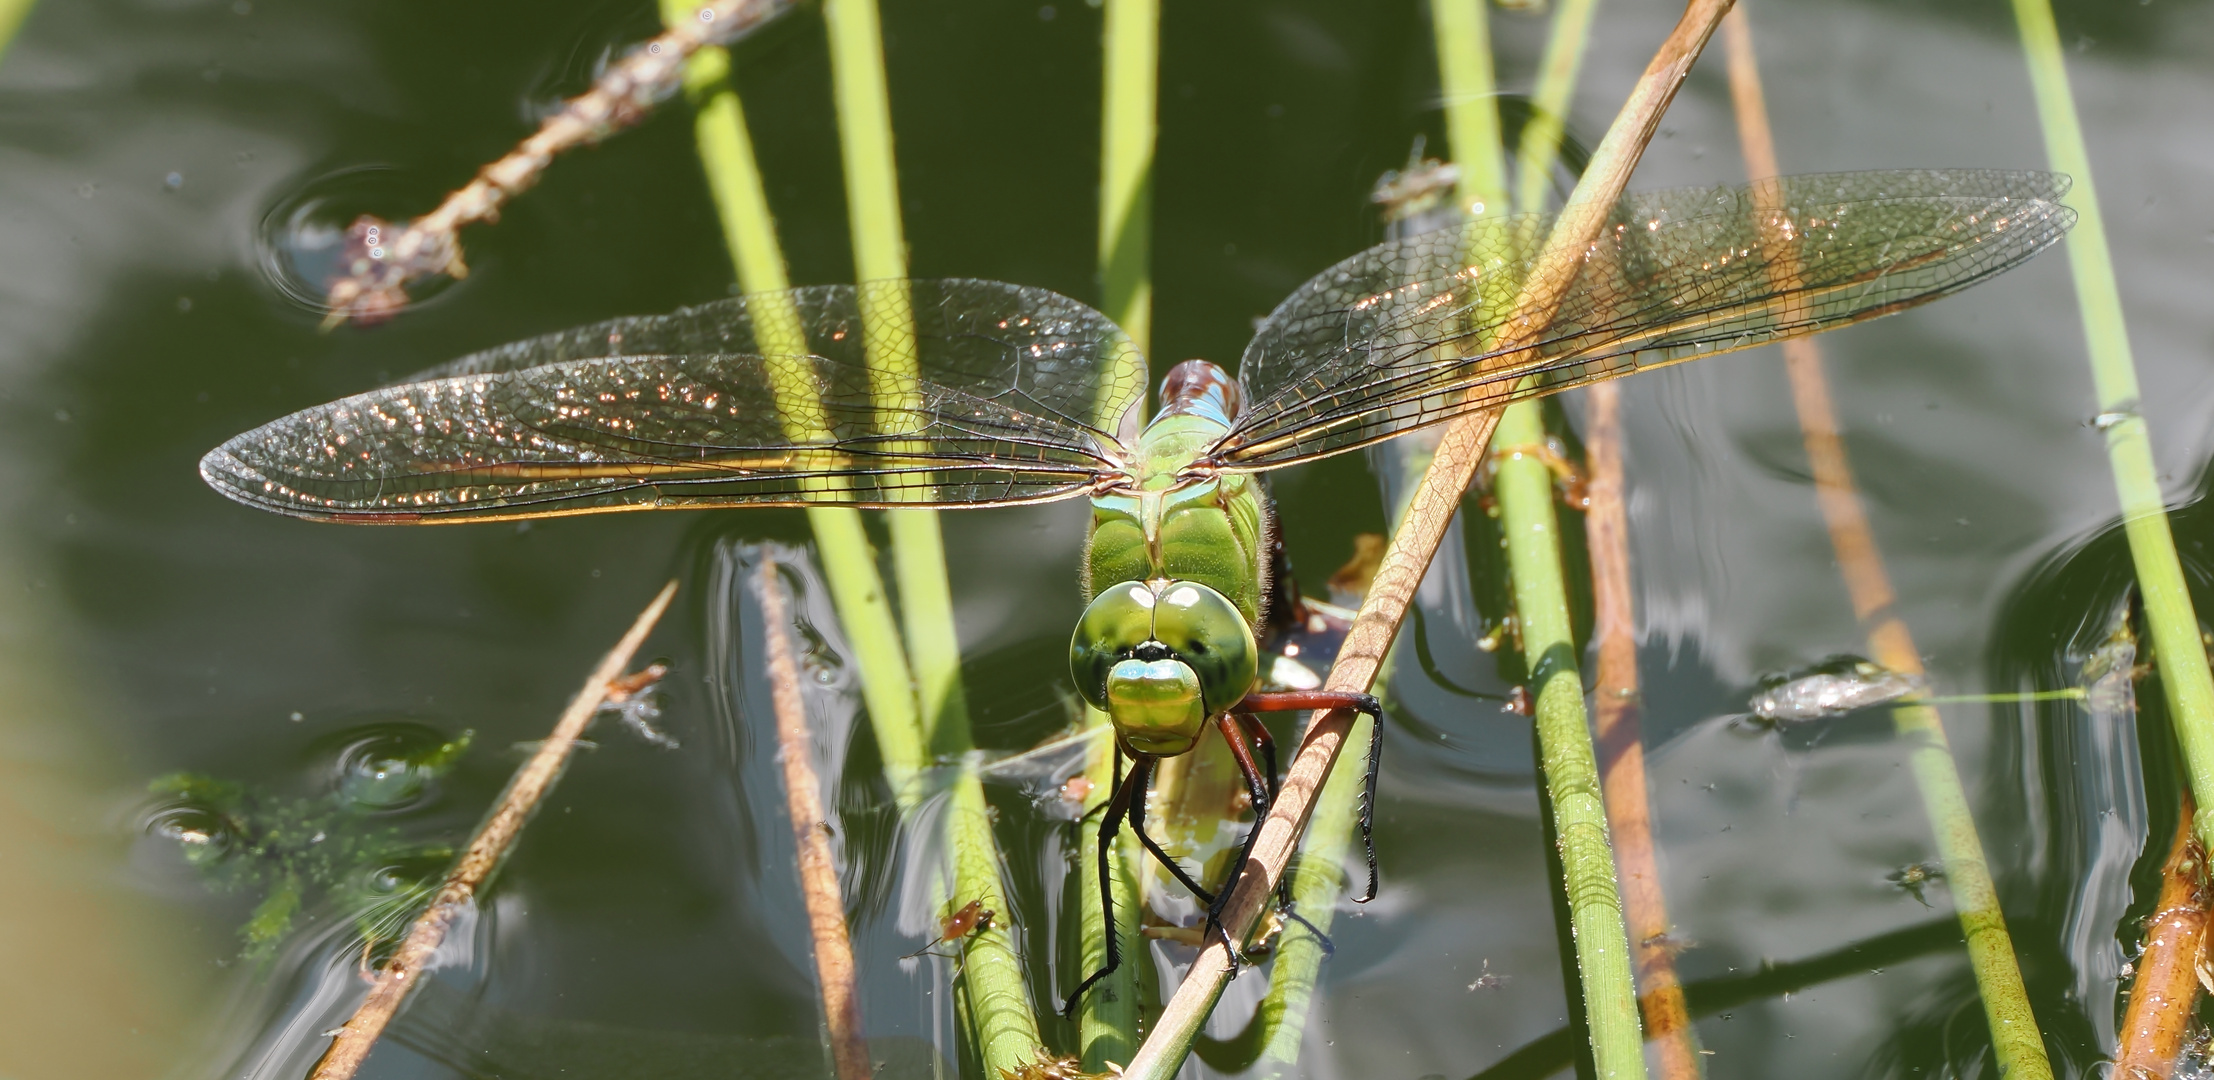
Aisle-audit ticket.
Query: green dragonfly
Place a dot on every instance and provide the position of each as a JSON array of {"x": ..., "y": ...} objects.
[{"x": 962, "y": 393}]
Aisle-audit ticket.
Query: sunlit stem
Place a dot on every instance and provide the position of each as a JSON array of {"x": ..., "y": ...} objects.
[
  {"x": 2180, "y": 652},
  {"x": 1524, "y": 486}
]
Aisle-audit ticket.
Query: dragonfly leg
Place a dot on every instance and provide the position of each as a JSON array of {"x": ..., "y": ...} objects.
[
  {"x": 1137, "y": 825},
  {"x": 1127, "y": 792},
  {"x": 1267, "y": 744},
  {"x": 1366, "y": 704},
  {"x": 1261, "y": 788}
]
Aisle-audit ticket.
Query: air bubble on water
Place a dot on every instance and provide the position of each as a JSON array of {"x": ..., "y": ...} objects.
[
  {"x": 297, "y": 717},
  {"x": 173, "y": 181}
]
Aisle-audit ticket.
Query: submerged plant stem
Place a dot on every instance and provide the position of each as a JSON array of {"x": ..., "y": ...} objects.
[
  {"x": 2014, "y": 1034},
  {"x": 2165, "y": 993},
  {"x": 2180, "y": 652},
  {"x": 1621, "y": 741},
  {"x": 1460, "y": 450},
  {"x": 351, "y": 1045},
  {"x": 818, "y": 871}
]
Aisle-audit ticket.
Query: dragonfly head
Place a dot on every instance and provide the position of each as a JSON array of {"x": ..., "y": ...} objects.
[{"x": 1161, "y": 657}]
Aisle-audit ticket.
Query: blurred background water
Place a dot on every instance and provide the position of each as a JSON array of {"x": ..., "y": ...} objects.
[{"x": 161, "y": 161}]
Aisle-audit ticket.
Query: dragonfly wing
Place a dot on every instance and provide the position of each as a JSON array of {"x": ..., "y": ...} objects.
[
  {"x": 1009, "y": 395},
  {"x": 1402, "y": 335}
]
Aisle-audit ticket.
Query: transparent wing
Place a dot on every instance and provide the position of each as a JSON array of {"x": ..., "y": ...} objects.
[
  {"x": 1008, "y": 394},
  {"x": 1399, "y": 336}
]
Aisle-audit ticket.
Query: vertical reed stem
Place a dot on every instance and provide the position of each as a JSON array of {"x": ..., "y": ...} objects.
[
  {"x": 1004, "y": 1028},
  {"x": 12, "y": 14},
  {"x": 1131, "y": 41},
  {"x": 1109, "y": 1016},
  {"x": 888, "y": 332},
  {"x": 2180, "y": 652},
  {"x": 2015, "y": 1039},
  {"x": 1621, "y": 740},
  {"x": 1531, "y": 525}
]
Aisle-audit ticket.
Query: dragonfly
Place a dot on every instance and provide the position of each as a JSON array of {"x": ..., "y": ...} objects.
[{"x": 968, "y": 393}]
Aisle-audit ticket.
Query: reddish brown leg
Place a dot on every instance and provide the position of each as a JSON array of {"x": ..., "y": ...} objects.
[{"x": 1294, "y": 700}]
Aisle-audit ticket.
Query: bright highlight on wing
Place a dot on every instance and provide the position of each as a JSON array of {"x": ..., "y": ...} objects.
[{"x": 1399, "y": 336}]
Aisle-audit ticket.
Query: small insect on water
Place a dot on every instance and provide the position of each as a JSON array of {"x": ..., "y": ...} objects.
[
  {"x": 1915, "y": 877},
  {"x": 973, "y": 918}
]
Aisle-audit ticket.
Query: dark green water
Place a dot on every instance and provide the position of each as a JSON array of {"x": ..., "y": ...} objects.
[{"x": 649, "y": 924}]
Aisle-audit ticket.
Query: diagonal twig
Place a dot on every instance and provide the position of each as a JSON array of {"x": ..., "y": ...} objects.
[
  {"x": 399, "y": 976},
  {"x": 1460, "y": 450},
  {"x": 383, "y": 258}
]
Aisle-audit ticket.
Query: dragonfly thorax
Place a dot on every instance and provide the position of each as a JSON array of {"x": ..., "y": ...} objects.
[{"x": 1160, "y": 658}]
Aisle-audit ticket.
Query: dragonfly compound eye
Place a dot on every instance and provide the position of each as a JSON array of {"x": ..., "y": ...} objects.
[
  {"x": 1118, "y": 621},
  {"x": 1202, "y": 628}
]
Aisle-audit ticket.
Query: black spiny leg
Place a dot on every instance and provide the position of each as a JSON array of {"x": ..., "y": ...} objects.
[
  {"x": 1292, "y": 700},
  {"x": 1118, "y": 805},
  {"x": 1144, "y": 768}
]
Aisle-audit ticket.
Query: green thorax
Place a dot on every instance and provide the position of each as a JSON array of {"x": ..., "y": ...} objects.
[{"x": 1207, "y": 530}]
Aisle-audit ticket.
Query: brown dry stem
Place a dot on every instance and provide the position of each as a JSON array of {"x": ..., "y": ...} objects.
[
  {"x": 383, "y": 258},
  {"x": 1621, "y": 742},
  {"x": 351, "y": 1045},
  {"x": 1460, "y": 450},
  {"x": 2014, "y": 1031},
  {"x": 826, "y": 909},
  {"x": 2165, "y": 992}
]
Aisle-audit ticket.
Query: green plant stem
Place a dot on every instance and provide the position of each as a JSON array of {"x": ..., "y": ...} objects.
[
  {"x": 857, "y": 590},
  {"x": 12, "y": 14},
  {"x": 1556, "y": 85},
  {"x": 1107, "y": 1020},
  {"x": 2178, "y": 649},
  {"x": 1524, "y": 486},
  {"x": 1316, "y": 877},
  {"x": 888, "y": 334},
  {"x": 1002, "y": 1025},
  {"x": 1109, "y": 1016},
  {"x": 1131, "y": 41},
  {"x": 1463, "y": 34}
]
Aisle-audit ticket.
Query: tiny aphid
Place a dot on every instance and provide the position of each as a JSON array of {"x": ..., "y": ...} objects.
[{"x": 972, "y": 918}]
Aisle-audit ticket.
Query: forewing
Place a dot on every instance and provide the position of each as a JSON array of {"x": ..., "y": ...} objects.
[
  {"x": 1402, "y": 335},
  {"x": 1010, "y": 394}
]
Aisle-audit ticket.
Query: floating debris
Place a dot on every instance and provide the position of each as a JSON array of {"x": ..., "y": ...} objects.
[
  {"x": 629, "y": 699},
  {"x": 1836, "y": 687},
  {"x": 1914, "y": 877},
  {"x": 1489, "y": 981}
]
